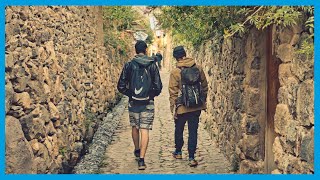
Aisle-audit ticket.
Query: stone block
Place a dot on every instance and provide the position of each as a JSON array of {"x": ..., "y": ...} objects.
[
  {"x": 9, "y": 96},
  {"x": 285, "y": 52},
  {"x": 288, "y": 94},
  {"x": 303, "y": 67},
  {"x": 44, "y": 114},
  {"x": 9, "y": 62},
  {"x": 276, "y": 171},
  {"x": 286, "y": 35},
  {"x": 19, "y": 155},
  {"x": 252, "y": 126},
  {"x": 295, "y": 39},
  {"x": 239, "y": 66},
  {"x": 32, "y": 127},
  {"x": 251, "y": 147},
  {"x": 305, "y": 145},
  {"x": 40, "y": 165},
  {"x": 282, "y": 119},
  {"x": 253, "y": 102},
  {"x": 254, "y": 79},
  {"x": 16, "y": 111},
  {"x": 20, "y": 84},
  {"x": 44, "y": 153},
  {"x": 35, "y": 146},
  {"x": 251, "y": 167},
  {"x": 288, "y": 146},
  {"x": 284, "y": 73},
  {"x": 50, "y": 130},
  {"x": 277, "y": 150},
  {"x": 54, "y": 112},
  {"x": 305, "y": 103},
  {"x": 255, "y": 64},
  {"x": 22, "y": 99}
]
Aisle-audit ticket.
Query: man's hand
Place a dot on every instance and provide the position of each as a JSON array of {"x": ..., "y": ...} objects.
[
  {"x": 174, "y": 114},
  {"x": 175, "y": 117}
]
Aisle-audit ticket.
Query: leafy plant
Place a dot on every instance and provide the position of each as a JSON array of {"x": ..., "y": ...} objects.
[
  {"x": 117, "y": 20},
  {"x": 62, "y": 151},
  {"x": 89, "y": 118},
  {"x": 307, "y": 46},
  {"x": 264, "y": 16},
  {"x": 196, "y": 24},
  {"x": 118, "y": 17}
]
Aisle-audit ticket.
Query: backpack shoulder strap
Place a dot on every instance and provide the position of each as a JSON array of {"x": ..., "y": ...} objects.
[{"x": 181, "y": 68}]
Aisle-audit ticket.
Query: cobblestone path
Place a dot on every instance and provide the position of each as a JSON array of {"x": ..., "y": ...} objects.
[{"x": 119, "y": 158}]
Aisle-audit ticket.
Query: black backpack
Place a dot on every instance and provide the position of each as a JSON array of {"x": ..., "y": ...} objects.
[
  {"x": 140, "y": 83},
  {"x": 192, "y": 92}
]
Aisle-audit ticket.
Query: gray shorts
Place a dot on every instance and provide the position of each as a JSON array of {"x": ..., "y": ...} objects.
[{"x": 143, "y": 120}]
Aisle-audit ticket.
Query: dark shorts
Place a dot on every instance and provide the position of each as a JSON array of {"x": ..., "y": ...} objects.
[{"x": 144, "y": 119}]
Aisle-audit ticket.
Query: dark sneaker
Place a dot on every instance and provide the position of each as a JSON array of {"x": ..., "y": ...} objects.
[
  {"x": 137, "y": 154},
  {"x": 193, "y": 162},
  {"x": 141, "y": 165},
  {"x": 177, "y": 155}
]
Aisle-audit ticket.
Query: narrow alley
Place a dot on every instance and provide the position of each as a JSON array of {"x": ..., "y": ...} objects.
[{"x": 65, "y": 115}]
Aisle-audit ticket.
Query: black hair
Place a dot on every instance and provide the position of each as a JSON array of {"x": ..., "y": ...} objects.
[{"x": 141, "y": 47}]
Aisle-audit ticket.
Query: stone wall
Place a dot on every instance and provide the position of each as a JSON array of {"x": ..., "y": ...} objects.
[
  {"x": 60, "y": 83},
  {"x": 294, "y": 117},
  {"x": 237, "y": 101},
  {"x": 235, "y": 111}
]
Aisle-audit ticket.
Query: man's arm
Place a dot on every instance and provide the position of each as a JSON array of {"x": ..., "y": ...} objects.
[
  {"x": 124, "y": 80},
  {"x": 159, "y": 56},
  {"x": 204, "y": 83},
  {"x": 173, "y": 90},
  {"x": 156, "y": 80}
]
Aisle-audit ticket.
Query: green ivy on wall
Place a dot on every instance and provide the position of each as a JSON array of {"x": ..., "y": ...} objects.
[
  {"x": 196, "y": 24},
  {"x": 118, "y": 19}
]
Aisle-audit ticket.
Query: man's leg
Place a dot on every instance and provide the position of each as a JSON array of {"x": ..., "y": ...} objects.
[
  {"x": 144, "y": 142},
  {"x": 145, "y": 123},
  {"x": 134, "y": 117},
  {"x": 178, "y": 133},
  {"x": 135, "y": 137},
  {"x": 193, "y": 123}
]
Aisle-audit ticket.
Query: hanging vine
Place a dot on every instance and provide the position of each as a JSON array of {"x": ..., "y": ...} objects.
[{"x": 196, "y": 24}]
